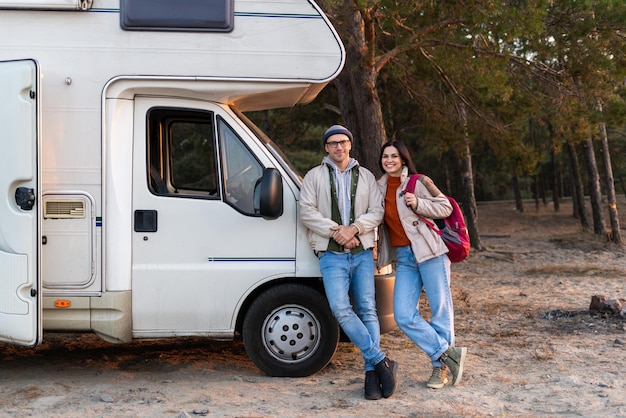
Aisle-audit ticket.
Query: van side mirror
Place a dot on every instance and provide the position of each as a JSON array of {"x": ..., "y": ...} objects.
[{"x": 269, "y": 192}]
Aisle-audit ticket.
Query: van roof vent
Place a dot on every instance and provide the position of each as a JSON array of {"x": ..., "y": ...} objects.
[{"x": 63, "y": 209}]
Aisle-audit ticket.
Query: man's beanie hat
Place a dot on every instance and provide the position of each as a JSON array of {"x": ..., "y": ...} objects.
[{"x": 337, "y": 129}]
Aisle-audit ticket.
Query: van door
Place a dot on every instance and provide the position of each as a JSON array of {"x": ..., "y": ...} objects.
[
  {"x": 199, "y": 244},
  {"x": 19, "y": 204}
]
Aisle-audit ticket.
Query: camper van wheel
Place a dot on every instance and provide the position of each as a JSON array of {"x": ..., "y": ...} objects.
[{"x": 289, "y": 330}]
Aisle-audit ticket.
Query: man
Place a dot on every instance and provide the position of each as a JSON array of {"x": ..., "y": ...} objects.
[{"x": 341, "y": 206}]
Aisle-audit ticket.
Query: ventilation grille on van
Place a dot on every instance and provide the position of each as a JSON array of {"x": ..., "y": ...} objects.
[{"x": 62, "y": 209}]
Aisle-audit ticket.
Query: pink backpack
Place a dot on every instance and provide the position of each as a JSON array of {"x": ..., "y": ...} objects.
[{"x": 452, "y": 229}]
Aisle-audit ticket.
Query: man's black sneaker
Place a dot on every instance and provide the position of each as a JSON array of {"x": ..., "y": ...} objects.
[
  {"x": 387, "y": 370},
  {"x": 372, "y": 386}
]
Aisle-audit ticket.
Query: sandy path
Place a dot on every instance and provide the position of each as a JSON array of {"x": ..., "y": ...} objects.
[{"x": 521, "y": 309}]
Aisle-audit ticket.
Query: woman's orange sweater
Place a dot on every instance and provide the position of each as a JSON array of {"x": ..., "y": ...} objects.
[{"x": 397, "y": 237}]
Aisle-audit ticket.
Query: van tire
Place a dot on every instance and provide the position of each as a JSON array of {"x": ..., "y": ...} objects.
[{"x": 289, "y": 331}]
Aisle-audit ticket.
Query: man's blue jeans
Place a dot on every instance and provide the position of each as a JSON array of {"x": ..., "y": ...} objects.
[
  {"x": 433, "y": 276},
  {"x": 344, "y": 274}
]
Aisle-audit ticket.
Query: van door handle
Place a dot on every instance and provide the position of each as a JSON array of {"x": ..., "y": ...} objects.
[
  {"x": 145, "y": 221},
  {"x": 25, "y": 198}
]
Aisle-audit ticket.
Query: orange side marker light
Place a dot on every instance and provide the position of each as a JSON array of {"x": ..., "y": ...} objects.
[{"x": 61, "y": 303}]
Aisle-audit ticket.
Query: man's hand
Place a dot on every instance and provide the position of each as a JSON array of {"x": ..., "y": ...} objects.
[
  {"x": 344, "y": 235},
  {"x": 352, "y": 244}
]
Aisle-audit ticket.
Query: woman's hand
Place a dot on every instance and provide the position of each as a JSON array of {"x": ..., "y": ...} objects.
[{"x": 411, "y": 201}]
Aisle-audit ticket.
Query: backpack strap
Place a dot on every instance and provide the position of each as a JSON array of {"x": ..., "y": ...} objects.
[
  {"x": 430, "y": 224},
  {"x": 410, "y": 188}
]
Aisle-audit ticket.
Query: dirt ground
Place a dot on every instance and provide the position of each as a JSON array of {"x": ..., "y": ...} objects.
[{"x": 534, "y": 348}]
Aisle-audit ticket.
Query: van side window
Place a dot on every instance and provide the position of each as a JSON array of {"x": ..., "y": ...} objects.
[
  {"x": 193, "y": 157},
  {"x": 179, "y": 15},
  {"x": 242, "y": 172},
  {"x": 181, "y": 153}
]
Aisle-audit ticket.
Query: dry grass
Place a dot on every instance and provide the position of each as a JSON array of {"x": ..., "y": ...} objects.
[
  {"x": 544, "y": 352},
  {"x": 576, "y": 270}
]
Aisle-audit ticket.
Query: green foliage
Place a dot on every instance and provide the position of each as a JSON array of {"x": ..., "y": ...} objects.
[
  {"x": 299, "y": 130},
  {"x": 193, "y": 156},
  {"x": 527, "y": 75}
]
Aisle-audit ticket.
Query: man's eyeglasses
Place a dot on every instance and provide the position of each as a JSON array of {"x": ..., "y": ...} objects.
[{"x": 334, "y": 144}]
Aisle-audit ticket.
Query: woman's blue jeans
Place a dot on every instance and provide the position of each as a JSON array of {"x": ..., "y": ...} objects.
[
  {"x": 346, "y": 274},
  {"x": 433, "y": 276}
]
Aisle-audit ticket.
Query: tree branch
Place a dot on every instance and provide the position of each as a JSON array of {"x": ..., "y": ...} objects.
[{"x": 412, "y": 42}]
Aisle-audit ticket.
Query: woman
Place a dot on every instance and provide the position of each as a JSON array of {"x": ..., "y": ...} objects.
[{"x": 421, "y": 261}]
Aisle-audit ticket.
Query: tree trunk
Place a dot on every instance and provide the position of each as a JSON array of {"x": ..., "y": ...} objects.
[
  {"x": 594, "y": 187},
  {"x": 610, "y": 185},
  {"x": 575, "y": 211},
  {"x": 536, "y": 191},
  {"x": 578, "y": 191},
  {"x": 362, "y": 116},
  {"x": 356, "y": 87},
  {"x": 555, "y": 181},
  {"x": 446, "y": 170},
  {"x": 517, "y": 193},
  {"x": 541, "y": 191},
  {"x": 469, "y": 201}
]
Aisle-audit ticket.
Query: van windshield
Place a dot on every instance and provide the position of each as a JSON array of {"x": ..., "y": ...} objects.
[{"x": 278, "y": 153}]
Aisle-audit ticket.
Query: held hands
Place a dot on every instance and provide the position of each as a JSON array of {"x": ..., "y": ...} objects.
[
  {"x": 353, "y": 243},
  {"x": 345, "y": 236}
]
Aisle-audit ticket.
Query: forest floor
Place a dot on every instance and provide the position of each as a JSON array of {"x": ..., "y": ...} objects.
[{"x": 522, "y": 310}]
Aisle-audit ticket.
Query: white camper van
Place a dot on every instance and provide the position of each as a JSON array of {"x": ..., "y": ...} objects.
[{"x": 136, "y": 199}]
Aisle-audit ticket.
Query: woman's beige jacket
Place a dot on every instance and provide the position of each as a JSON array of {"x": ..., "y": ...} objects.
[{"x": 425, "y": 242}]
